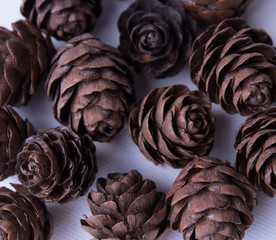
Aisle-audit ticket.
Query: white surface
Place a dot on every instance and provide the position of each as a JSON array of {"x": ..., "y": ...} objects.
[{"x": 122, "y": 155}]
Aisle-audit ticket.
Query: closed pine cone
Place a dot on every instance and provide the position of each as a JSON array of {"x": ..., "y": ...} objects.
[
  {"x": 57, "y": 165},
  {"x": 211, "y": 200},
  {"x": 235, "y": 65},
  {"x": 172, "y": 124}
]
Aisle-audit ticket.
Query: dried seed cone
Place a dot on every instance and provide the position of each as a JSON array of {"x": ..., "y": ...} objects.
[
  {"x": 91, "y": 85},
  {"x": 235, "y": 65},
  {"x": 13, "y": 131},
  {"x": 255, "y": 150},
  {"x": 126, "y": 207},
  {"x": 62, "y": 19},
  {"x": 25, "y": 56},
  {"x": 57, "y": 165},
  {"x": 211, "y": 200},
  {"x": 172, "y": 125},
  {"x": 23, "y": 216}
]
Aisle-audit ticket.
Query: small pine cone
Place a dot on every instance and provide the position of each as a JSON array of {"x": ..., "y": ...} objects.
[
  {"x": 156, "y": 37},
  {"x": 172, "y": 125},
  {"x": 255, "y": 150},
  {"x": 211, "y": 200},
  {"x": 207, "y": 12},
  {"x": 62, "y": 19},
  {"x": 57, "y": 165},
  {"x": 24, "y": 56},
  {"x": 23, "y": 216},
  {"x": 126, "y": 207},
  {"x": 235, "y": 65},
  {"x": 92, "y": 88},
  {"x": 13, "y": 131}
]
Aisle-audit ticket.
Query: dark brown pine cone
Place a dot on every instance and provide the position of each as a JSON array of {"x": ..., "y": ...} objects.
[
  {"x": 211, "y": 200},
  {"x": 13, "y": 131},
  {"x": 172, "y": 125},
  {"x": 57, "y": 165},
  {"x": 207, "y": 12},
  {"x": 256, "y": 149},
  {"x": 62, "y": 19},
  {"x": 126, "y": 207},
  {"x": 24, "y": 57},
  {"x": 92, "y": 87},
  {"x": 22, "y": 216},
  {"x": 156, "y": 36},
  {"x": 235, "y": 65}
]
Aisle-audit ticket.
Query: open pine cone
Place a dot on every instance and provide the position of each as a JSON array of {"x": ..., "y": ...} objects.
[
  {"x": 126, "y": 207},
  {"x": 211, "y": 200},
  {"x": 236, "y": 66},
  {"x": 57, "y": 165},
  {"x": 172, "y": 125}
]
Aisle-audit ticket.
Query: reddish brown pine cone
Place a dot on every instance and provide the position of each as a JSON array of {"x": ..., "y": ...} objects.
[
  {"x": 156, "y": 36},
  {"x": 207, "y": 12},
  {"x": 23, "y": 216},
  {"x": 63, "y": 19},
  {"x": 235, "y": 65},
  {"x": 92, "y": 88},
  {"x": 256, "y": 149},
  {"x": 126, "y": 207},
  {"x": 211, "y": 200},
  {"x": 172, "y": 125},
  {"x": 24, "y": 57},
  {"x": 57, "y": 165},
  {"x": 13, "y": 131}
]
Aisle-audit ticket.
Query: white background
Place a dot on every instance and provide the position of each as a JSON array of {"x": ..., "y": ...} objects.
[{"x": 122, "y": 155}]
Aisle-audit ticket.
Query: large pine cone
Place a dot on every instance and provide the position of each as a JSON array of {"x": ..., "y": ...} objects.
[
  {"x": 211, "y": 200},
  {"x": 172, "y": 125},
  {"x": 126, "y": 207},
  {"x": 208, "y": 12},
  {"x": 235, "y": 65},
  {"x": 63, "y": 19},
  {"x": 156, "y": 36},
  {"x": 57, "y": 165},
  {"x": 25, "y": 56},
  {"x": 13, "y": 131},
  {"x": 92, "y": 87},
  {"x": 256, "y": 149},
  {"x": 22, "y": 216}
]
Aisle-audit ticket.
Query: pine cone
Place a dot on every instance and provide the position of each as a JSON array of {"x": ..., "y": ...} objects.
[
  {"x": 24, "y": 56},
  {"x": 235, "y": 65},
  {"x": 92, "y": 87},
  {"x": 156, "y": 36},
  {"x": 22, "y": 216},
  {"x": 211, "y": 200},
  {"x": 255, "y": 150},
  {"x": 13, "y": 132},
  {"x": 172, "y": 124},
  {"x": 208, "y": 12},
  {"x": 126, "y": 207},
  {"x": 57, "y": 165},
  {"x": 62, "y": 19}
]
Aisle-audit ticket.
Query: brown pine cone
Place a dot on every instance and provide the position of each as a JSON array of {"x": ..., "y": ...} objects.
[
  {"x": 172, "y": 125},
  {"x": 24, "y": 57},
  {"x": 126, "y": 207},
  {"x": 57, "y": 165},
  {"x": 207, "y": 12},
  {"x": 13, "y": 131},
  {"x": 211, "y": 200},
  {"x": 22, "y": 216},
  {"x": 235, "y": 65},
  {"x": 92, "y": 87},
  {"x": 255, "y": 150},
  {"x": 156, "y": 36},
  {"x": 62, "y": 19}
]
